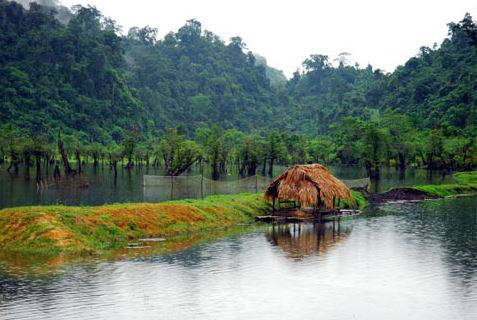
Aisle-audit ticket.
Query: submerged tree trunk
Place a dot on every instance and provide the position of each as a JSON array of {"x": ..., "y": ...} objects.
[
  {"x": 26, "y": 161},
  {"x": 223, "y": 167},
  {"x": 270, "y": 169},
  {"x": 115, "y": 169},
  {"x": 2, "y": 156},
  {"x": 38, "y": 169},
  {"x": 401, "y": 160},
  {"x": 64, "y": 157},
  {"x": 372, "y": 169},
  {"x": 239, "y": 168},
  {"x": 130, "y": 162},
  {"x": 45, "y": 159},
  {"x": 78, "y": 159},
  {"x": 401, "y": 174},
  {"x": 214, "y": 166},
  {"x": 252, "y": 169},
  {"x": 95, "y": 159},
  {"x": 13, "y": 162},
  {"x": 56, "y": 172},
  {"x": 157, "y": 162}
]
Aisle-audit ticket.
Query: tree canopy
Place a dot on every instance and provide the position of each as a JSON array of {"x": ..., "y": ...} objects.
[{"x": 80, "y": 75}]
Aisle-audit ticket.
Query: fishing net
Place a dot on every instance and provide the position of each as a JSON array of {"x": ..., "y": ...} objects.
[
  {"x": 250, "y": 184},
  {"x": 161, "y": 188}
]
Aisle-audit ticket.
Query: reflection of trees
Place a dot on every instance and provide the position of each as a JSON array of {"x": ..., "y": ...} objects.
[{"x": 302, "y": 240}]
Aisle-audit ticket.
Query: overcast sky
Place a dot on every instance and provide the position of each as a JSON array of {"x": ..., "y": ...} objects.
[{"x": 382, "y": 33}]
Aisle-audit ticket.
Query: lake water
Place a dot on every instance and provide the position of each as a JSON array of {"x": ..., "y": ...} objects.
[
  {"x": 98, "y": 186},
  {"x": 399, "y": 261}
]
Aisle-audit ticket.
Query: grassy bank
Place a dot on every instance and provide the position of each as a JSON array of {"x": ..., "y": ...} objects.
[
  {"x": 466, "y": 183},
  {"x": 53, "y": 230},
  {"x": 358, "y": 202},
  {"x": 65, "y": 230}
]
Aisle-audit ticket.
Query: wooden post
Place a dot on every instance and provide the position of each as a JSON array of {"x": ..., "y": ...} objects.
[
  {"x": 172, "y": 187},
  {"x": 202, "y": 187},
  {"x": 273, "y": 211},
  {"x": 256, "y": 184},
  {"x": 274, "y": 236},
  {"x": 201, "y": 180},
  {"x": 318, "y": 237},
  {"x": 318, "y": 200}
]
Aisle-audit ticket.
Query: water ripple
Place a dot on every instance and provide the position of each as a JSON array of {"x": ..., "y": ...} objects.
[{"x": 408, "y": 261}]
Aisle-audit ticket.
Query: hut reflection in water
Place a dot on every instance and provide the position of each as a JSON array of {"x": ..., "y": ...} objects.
[{"x": 301, "y": 240}]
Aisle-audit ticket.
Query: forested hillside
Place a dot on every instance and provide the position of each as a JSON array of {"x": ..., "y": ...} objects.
[
  {"x": 192, "y": 77},
  {"x": 82, "y": 77},
  {"x": 436, "y": 88},
  {"x": 63, "y": 76}
]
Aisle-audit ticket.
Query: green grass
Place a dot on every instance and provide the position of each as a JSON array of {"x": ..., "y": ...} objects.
[
  {"x": 466, "y": 177},
  {"x": 447, "y": 190},
  {"x": 466, "y": 184},
  {"x": 53, "y": 230},
  {"x": 358, "y": 201},
  {"x": 57, "y": 229}
]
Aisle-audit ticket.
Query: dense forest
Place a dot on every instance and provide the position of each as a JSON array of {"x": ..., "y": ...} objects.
[{"x": 73, "y": 86}]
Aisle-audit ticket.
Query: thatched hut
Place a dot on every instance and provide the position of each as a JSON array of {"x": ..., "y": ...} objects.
[{"x": 311, "y": 185}]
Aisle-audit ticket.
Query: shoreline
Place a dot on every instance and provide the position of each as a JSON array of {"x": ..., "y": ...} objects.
[
  {"x": 96, "y": 230},
  {"x": 465, "y": 184},
  {"x": 68, "y": 230}
]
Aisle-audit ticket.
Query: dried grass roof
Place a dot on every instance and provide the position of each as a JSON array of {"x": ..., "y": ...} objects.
[{"x": 307, "y": 184}]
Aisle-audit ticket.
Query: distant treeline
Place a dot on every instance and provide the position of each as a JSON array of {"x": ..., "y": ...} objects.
[
  {"x": 389, "y": 140},
  {"x": 116, "y": 97}
]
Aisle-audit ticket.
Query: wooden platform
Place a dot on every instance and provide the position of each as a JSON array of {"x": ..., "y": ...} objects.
[{"x": 297, "y": 215}]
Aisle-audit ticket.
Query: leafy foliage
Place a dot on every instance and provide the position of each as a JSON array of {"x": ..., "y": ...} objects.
[
  {"x": 119, "y": 96},
  {"x": 436, "y": 88}
]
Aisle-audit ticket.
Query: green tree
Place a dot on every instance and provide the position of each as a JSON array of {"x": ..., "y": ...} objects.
[
  {"x": 275, "y": 149},
  {"x": 178, "y": 154},
  {"x": 373, "y": 141},
  {"x": 400, "y": 135},
  {"x": 434, "y": 149}
]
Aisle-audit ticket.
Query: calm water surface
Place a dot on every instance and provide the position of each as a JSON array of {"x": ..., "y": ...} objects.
[
  {"x": 402, "y": 261},
  {"x": 98, "y": 186}
]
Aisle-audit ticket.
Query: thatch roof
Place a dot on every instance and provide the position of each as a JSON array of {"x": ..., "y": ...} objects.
[{"x": 307, "y": 184}]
